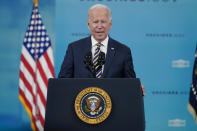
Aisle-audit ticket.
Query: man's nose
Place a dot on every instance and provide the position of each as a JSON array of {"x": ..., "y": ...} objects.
[{"x": 99, "y": 25}]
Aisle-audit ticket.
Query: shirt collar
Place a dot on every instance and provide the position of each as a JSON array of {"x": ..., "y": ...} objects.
[{"x": 103, "y": 43}]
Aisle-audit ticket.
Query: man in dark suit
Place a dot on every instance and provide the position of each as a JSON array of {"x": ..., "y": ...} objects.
[{"x": 118, "y": 61}]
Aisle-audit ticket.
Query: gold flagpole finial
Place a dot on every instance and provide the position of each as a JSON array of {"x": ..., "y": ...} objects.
[{"x": 35, "y": 2}]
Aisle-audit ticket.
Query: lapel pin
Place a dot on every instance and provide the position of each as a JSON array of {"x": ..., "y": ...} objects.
[{"x": 112, "y": 48}]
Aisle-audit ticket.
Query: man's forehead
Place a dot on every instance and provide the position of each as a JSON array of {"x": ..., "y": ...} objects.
[
  {"x": 99, "y": 11},
  {"x": 99, "y": 14}
]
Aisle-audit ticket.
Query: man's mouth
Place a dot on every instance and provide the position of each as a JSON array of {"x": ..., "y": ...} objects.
[{"x": 99, "y": 32}]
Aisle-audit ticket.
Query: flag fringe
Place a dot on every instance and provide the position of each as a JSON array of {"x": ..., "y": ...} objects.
[
  {"x": 192, "y": 111},
  {"x": 28, "y": 112}
]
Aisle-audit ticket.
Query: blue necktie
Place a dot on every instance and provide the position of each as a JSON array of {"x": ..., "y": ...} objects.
[{"x": 97, "y": 67}]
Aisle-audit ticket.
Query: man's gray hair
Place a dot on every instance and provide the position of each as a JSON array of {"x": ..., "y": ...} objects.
[{"x": 100, "y": 6}]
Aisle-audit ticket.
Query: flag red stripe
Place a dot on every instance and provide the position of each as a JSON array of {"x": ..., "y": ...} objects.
[
  {"x": 41, "y": 119},
  {"x": 26, "y": 101},
  {"x": 41, "y": 95},
  {"x": 28, "y": 86},
  {"x": 50, "y": 65},
  {"x": 42, "y": 73},
  {"x": 26, "y": 64},
  {"x": 29, "y": 107}
]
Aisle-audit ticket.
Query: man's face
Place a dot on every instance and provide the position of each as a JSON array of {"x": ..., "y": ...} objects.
[{"x": 99, "y": 23}]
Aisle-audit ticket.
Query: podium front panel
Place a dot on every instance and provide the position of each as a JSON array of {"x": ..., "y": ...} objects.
[{"x": 127, "y": 105}]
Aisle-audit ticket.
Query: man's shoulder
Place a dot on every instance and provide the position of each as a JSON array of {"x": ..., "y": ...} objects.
[{"x": 118, "y": 44}]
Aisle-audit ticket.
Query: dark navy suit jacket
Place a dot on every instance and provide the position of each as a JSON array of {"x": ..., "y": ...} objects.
[{"x": 118, "y": 63}]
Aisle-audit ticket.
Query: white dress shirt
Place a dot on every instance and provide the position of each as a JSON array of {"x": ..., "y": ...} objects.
[{"x": 103, "y": 47}]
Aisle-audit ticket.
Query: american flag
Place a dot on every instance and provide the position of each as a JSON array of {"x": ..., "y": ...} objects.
[
  {"x": 36, "y": 67},
  {"x": 192, "y": 106}
]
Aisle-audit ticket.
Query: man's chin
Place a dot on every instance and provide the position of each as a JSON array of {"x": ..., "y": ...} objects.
[{"x": 100, "y": 38}]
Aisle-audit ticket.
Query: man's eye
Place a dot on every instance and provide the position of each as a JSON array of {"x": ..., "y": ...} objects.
[{"x": 95, "y": 21}]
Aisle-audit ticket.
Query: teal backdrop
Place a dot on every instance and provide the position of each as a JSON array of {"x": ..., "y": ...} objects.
[{"x": 162, "y": 35}]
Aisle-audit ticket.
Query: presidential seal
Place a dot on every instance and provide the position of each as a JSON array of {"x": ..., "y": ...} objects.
[{"x": 93, "y": 105}]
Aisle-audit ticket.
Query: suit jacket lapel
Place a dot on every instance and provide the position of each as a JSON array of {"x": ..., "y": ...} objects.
[
  {"x": 111, "y": 50},
  {"x": 88, "y": 45}
]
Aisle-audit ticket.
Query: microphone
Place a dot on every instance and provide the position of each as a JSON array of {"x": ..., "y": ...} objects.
[
  {"x": 88, "y": 62},
  {"x": 88, "y": 59},
  {"x": 101, "y": 58}
]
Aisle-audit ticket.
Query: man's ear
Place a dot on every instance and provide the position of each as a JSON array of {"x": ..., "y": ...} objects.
[
  {"x": 111, "y": 24},
  {"x": 88, "y": 24}
]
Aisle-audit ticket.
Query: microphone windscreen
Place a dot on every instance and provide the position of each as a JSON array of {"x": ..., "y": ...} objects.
[
  {"x": 88, "y": 58},
  {"x": 101, "y": 59}
]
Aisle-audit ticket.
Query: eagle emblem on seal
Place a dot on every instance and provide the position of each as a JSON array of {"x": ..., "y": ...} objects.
[{"x": 93, "y": 105}]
